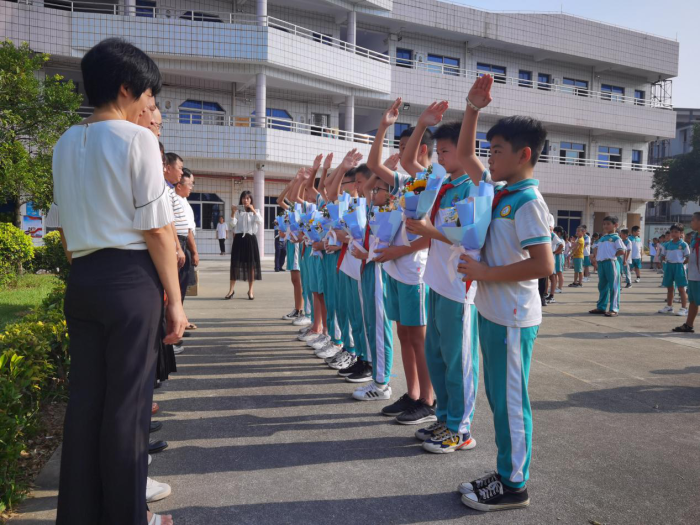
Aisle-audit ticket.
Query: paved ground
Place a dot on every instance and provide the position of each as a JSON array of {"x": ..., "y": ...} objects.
[{"x": 261, "y": 433}]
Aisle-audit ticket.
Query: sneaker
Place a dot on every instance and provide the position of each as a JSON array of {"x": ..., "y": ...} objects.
[
  {"x": 319, "y": 343},
  {"x": 178, "y": 349},
  {"x": 573, "y": 285},
  {"x": 404, "y": 403},
  {"x": 586, "y": 279},
  {"x": 361, "y": 376},
  {"x": 308, "y": 336},
  {"x": 302, "y": 320},
  {"x": 337, "y": 357},
  {"x": 344, "y": 363},
  {"x": 628, "y": 285},
  {"x": 436, "y": 428},
  {"x": 544, "y": 302},
  {"x": 558, "y": 290},
  {"x": 637, "y": 280},
  {"x": 418, "y": 414},
  {"x": 550, "y": 300},
  {"x": 666, "y": 310},
  {"x": 156, "y": 491},
  {"x": 496, "y": 496},
  {"x": 449, "y": 442},
  {"x": 372, "y": 392},
  {"x": 291, "y": 316},
  {"x": 304, "y": 330},
  {"x": 357, "y": 366},
  {"x": 478, "y": 484},
  {"x": 682, "y": 312},
  {"x": 330, "y": 350}
]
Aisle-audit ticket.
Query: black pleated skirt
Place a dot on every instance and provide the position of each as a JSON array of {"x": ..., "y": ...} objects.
[{"x": 245, "y": 258}]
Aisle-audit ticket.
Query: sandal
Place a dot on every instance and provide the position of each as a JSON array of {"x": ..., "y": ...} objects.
[
  {"x": 684, "y": 328},
  {"x": 229, "y": 295},
  {"x": 611, "y": 314},
  {"x": 251, "y": 297},
  {"x": 597, "y": 312}
]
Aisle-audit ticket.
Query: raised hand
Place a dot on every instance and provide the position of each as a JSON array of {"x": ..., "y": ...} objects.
[
  {"x": 480, "y": 93},
  {"x": 317, "y": 162},
  {"x": 351, "y": 160},
  {"x": 391, "y": 115},
  {"x": 392, "y": 162},
  {"x": 432, "y": 116},
  {"x": 327, "y": 163}
]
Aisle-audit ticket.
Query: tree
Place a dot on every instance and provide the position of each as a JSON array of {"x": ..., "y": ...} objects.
[
  {"x": 34, "y": 112},
  {"x": 679, "y": 178}
]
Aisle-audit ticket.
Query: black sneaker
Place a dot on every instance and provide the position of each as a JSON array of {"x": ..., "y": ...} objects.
[
  {"x": 629, "y": 285},
  {"x": 544, "y": 302},
  {"x": 419, "y": 413},
  {"x": 496, "y": 496},
  {"x": 404, "y": 403},
  {"x": 362, "y": 376},
  {"x": 480, "y": 483},
  {"x": 358, "y": 366},
  {"x": 291, "y": 316}
]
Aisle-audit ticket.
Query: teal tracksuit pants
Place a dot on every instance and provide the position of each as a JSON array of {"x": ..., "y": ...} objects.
[
  {"x": 330, "y": 293},
  {"x": 379, "y": 332},
  {"x": 609, "y": 285},
  {"x": 452, "y": 353},
  {"x": 352, "y": 307},
  {"x": 507, "y": 353},
  {"x": 624, "y": 270},
  {"x": 305, "y": 282}
]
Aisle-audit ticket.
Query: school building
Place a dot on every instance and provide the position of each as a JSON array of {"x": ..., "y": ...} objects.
[{"x": 254, "y": 89}]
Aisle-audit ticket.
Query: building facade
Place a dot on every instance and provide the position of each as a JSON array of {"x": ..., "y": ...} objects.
[{"x": 255, "y": 89}]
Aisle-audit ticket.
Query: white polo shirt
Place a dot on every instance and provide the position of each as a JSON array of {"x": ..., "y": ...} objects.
[{"x": 608, "y": 245}]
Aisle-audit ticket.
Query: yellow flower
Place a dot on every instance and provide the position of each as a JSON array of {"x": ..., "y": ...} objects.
[{"x": 419, "y": 185}]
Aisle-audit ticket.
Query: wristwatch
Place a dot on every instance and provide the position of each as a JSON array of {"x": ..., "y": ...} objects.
[{"x": 472, "y": 105}]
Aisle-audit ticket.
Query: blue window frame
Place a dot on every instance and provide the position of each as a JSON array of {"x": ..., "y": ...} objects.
[
  {"x": 207, "y": 208},
  {"x": 614, "y": 93},
  {"x": 609, "y": 157},
  {"x": 544, "y": 81},
  {"x": 404, "y": 57},
  {"x": 444, "y": 65},
  {"x": 637, "y": 156},
  {"x": 281, "y": 114},
  {"x": 481, "y": 142},
  {"x": 525, "y": 78},
  {"x": 572, "y": 153},
  {"x": 575, "y": 87},
  {"x": 498, "y": 72},
  {"x": 201, "y": 112},
  {"x": 399, "y": 127},
  {"x": 639, "y": 97},
  {"x": 145, "y": 8},
  {"x": 569, "y": 220}
]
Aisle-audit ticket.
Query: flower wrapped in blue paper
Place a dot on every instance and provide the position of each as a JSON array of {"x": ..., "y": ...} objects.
[
  {"x": 418, "y": 205},
  {"x": 384, "y": 225}
]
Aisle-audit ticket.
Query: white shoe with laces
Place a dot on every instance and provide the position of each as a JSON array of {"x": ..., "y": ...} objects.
[
  {"x": 323, "y": 339},
  {"x": 666, "y": 310},
  {"x": 330, "y": 350},
  {"x": 302, "y": 321},
  {"x": 682, "y": 312},
  {"x": 178, "y": 349},
  {"x": 372, "y": 392},
  {"x": 308, "y": 336},
  {"x": 156, "y": 491}
]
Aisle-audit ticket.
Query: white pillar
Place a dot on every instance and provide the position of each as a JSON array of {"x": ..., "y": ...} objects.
[
  {"x": 130, "y": 7},
  {"x": 260, "y": 99},
  {"x": 261, "y": 12},
  {"x": 259, "y": 203},
  {"x": 350, "y": 113},
  {"x": 352, "y": 27}
]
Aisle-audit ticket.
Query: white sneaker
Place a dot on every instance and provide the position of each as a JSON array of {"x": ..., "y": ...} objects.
[
  {"x": 586, "y": 279},
  {"x": 178, "y": 349},
  {"x": 558, "y": 290},
  {"x": 302, "y": 321},
  {"x": 666, "y": 310},
  {"x": 372, "y": 392},
  {"x": 682, "y": 312},
  {"x": 677, "y": 300},
  {"x": 322, "y": 339},
  {"x": 304, "y": 330},
  {"x": 308, "y": 336},
  {"x": 156, "y": 491},
  {"x": 321, "y": 343},
  {"x": 329, "y": 350},
  {"x": 149, "y": 459},
  {"x": 637, "y": 280}
]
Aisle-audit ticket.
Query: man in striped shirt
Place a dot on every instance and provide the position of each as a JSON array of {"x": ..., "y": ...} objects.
[{"x": 173, "y": 174}]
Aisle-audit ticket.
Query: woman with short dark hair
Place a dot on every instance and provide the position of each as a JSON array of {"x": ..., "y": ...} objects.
[
  {"x": 111, "y": 205},
  {"x": 245, "y": 254}
]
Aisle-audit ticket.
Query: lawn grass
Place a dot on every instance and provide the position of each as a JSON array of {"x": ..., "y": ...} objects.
[{"x": 27, "y": 293}]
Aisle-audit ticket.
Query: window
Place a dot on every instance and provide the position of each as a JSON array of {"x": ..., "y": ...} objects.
[
  {"x": 444, "y": 65},
  {"x": 201, "y": 112},
  {"x": 323, "y": 38},
  {"x": 498, "y": 72},
  {"x": 207, "y": 208},
  {"x": 572, "y": 153},
  {"x": 576, "y": 87},
  {"x": 525, "y": 78},
  {"x": 482, "y": 145},
  {"x": 404, "y": 57},
  {"x": 637, "y": 156},
  {"x": 278, "y": 119},
  {"x": 639, "y": 97},
  {"x": 145, "y": 8},
  {"x": 198, "y": 16},
  {"x": 569, "y": 220},
  {"x": 544, "y": 81},
  {"x": 399, "y": 128},
  {"x": 544, "y": 156},
  {"x": 609, "y": 157},
  {"x": 614, "y": 93},
  {"x": 319, "y": 122},
  {"x": 270, "y": 214}
]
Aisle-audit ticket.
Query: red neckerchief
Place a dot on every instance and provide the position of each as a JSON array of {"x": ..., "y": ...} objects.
[
  {"x": 366, "y": 246},
  {"x": 438, "y": 200},
  {"x": 343, "y": 251}
]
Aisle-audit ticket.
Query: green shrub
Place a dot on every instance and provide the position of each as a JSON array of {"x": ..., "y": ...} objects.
[
  {"x": 38, "y": 262},
  {"x": 16, "y": 248},
  {"x": 54, "y": 257}
]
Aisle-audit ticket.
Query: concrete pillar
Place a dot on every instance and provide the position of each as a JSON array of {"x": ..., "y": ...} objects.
[
  {"x": 350, "y": 113},
  {"x": 130, "y": 7},
  {"x": 260, "y": 100},
  {"x": 261, "y": 12},
  {"x": 259, "y": 202},
  {"x": 352, "y": 27}
]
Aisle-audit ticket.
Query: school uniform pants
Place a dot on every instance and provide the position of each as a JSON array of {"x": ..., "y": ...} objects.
[
  {"x": 113, "y": 308},
  {"x": 507, "y": 353},
  {"x": 609, "y": 285},
  {"x": 305, "y": 257},
  {"x": 379, "y": 332},
  {"x": 280, "y": 254},
  {"x": 624, "y": 270},
  {"x": 222, "y": 245},
  {"x": 353, "y": 307},
  {"x": 330, "y": 294},
  {"x": 183, "y": 274},
  {"x": 452, "y": 354}
]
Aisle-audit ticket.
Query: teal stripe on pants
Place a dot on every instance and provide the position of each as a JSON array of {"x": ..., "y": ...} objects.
[
  {"x": 609, "y": 285},
  {"x": 330, "y": 294},
  {"x": 379, "y": 332},
  {"x": 507, "y": 353},
  {"x": 353, "y": 306},
  {"x": 305, "y": 282},
  {"x": 452, "y": 353}
]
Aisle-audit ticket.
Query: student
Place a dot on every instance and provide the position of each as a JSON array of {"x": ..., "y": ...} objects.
[
  {"x": 606, "y": 252},
  {"x": 652, "y": 252},
  {"x": 516, "y": 253},
  {"x": 557, "y": 251},
  {"x": 222, "y": 234},
  {"x": 567, "y": 250},
  {"x": 586, "y": 254},
  {"x": 577, "y": 256},
  {"x": 594, "y": 245},
  {"x": 280, "y": 244},
  {"x": 693, "y": 277},
  {"x": 624, "y": 260},
  {"x": 675, "y": 256},
  {"x": 406, "y": 291},
  {"x": 293, "y": 257},
  {"x": 636, "y": 253},
  {"x": 452, "y": 338},
  {"x": 660, "y": 254}
]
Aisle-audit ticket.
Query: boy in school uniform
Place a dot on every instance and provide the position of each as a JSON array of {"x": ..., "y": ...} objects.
[
  {"x": 557, "y": 253},
  {"x": 625, "y": 259},
  {"x": 577, "y": 257},
  {"x": 675, "y": 256},
  {"x": 297, "y": 315},
  {"x": 693, "y": 277},
  {"x": 606, "y": 252},
  {"x": 636, "y": 253},
  {"x": 517, "y": 252},
  {"x": 586, "y": 254},
  {"x": 452, "y": 339}
]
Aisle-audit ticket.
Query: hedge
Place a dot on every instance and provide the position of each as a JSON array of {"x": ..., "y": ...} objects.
[{"x": 16, "y": 249}]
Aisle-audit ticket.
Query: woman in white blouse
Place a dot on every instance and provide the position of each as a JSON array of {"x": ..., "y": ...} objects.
[
  {"x": 245, "y": 255},
  {"x": 113, "y": 212}
]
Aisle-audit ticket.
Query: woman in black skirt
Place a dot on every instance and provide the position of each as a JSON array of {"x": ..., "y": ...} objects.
[{"x": 245, "y": 257}]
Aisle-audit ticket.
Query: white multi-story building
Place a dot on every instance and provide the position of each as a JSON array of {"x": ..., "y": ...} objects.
[{"x": 255, "y": 89}]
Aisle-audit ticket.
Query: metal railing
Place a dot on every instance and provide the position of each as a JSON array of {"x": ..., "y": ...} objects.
[{"x": 454, "y": 71}]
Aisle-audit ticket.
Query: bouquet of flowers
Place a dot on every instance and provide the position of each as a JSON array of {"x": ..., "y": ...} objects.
[
  {"x": 419, "y": 195},
  {"x": 314, "y": 230},
  {"x": 294, "y": 220},
  {"x": 384, "y": 221},
  {"x": 468, "y": 229},
  {"x": 354, "y": 221},
  {"x": 305, "y": 220}
]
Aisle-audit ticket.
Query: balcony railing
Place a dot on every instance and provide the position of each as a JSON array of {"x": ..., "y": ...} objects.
[
  {"x": 222, "y": 17},
  {"x": 454, "y": 71}
]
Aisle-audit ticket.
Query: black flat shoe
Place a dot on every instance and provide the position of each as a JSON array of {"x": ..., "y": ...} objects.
[
  {"x": 155, "y": 427},
  {"x": 157, "y": 446},
  {"x": 229, "y": 296}
]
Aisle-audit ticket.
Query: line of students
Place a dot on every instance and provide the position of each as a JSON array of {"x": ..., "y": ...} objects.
[{"x": 347, "y": 296}]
